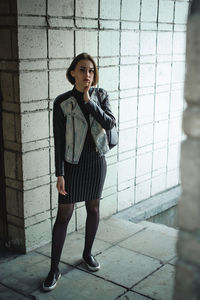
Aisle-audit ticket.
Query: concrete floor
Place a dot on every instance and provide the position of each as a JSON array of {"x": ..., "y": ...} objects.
[{"x": 137, "y": 263}]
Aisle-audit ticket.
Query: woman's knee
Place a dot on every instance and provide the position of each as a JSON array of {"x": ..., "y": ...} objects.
[{"x": 92, "y": 208}]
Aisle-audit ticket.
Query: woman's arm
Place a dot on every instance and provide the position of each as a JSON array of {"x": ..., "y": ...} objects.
[
  {"x": 102, "y": 114},
  {"x": 59, "y": 138}
]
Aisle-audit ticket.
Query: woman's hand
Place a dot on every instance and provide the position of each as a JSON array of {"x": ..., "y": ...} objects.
[
  {"x": 86, "y": 96},
  {"x": 61, "y": 185}
]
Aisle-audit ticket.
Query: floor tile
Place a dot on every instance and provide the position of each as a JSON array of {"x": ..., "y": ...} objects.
[
  {"x": 124, "y": 267},
  {"x": 158, "y": 285},
  {"x": 114, "y": 230},
  {"x": 73, "y": 248},
  {"x": 8, "y": 294},
  {"x": 153, "y": 243},
  {"x": 26, "y": 273},
  {"x": 78, "y": 285},
  {"x": 132, "y": 296}
]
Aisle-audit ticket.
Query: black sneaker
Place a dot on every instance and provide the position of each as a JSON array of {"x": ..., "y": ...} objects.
[
  {"x": 51, "y": 280},
  {"x": 91, "y": 263}
]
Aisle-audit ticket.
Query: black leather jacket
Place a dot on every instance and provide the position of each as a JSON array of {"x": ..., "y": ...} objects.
[{"x": 70, "y": 126}]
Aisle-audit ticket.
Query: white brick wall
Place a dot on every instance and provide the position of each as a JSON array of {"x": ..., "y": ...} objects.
[{"x": 139, "y": 47}]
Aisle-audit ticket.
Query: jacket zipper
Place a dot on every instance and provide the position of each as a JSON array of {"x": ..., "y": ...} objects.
[{"x": 73, "y": 135}]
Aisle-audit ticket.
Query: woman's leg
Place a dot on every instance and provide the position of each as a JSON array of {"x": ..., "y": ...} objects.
[
  {"x": 92, "y": 222},
  {"x": 64, "y": 214}
]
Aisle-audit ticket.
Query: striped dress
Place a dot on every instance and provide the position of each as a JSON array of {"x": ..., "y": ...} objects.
[{"x": 84, "y": 181}]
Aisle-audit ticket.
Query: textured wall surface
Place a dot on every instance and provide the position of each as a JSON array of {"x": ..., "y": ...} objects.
[
  {"x": 139, "y": 47},
  {"x": 188, "y": 246}
]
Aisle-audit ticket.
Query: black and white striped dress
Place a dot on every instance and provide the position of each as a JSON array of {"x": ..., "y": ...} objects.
[{"x": 84, "y": 181}]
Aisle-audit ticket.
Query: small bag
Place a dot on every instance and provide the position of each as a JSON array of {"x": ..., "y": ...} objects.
[{"x": 112, "y": 137}]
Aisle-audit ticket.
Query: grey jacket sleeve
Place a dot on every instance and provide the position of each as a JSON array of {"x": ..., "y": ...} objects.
[
  {"x": 59, "y": 138},
  {"x": 103, "y": 113}
]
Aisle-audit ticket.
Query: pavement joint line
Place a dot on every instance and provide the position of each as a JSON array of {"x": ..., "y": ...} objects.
[
  {"x": 99, "y": 276},
  {"x": 160, "y": 261},
  {"x": 148, "y": 275},
  {"x": 129, "y": 290},
  {"x": 13, "y": 289}
]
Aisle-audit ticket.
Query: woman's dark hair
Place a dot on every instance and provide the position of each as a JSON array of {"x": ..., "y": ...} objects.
[{"x": 75, "y": 61}]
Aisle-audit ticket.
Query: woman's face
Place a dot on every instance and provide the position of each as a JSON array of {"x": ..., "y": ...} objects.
[{"x": 83, "y": 74}]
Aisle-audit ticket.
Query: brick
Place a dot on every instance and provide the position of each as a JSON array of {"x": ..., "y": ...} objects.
[
  {"x": 61, "y": 8},
  {"x": 111, "y": 39},
  {"x": 6, "y": 50},
  {"x": 179, "y": 42},
  {"x": 143, "y": 165},
  {"x": 160, "y": 131},
  {"x": 86, "y": 23},
  {"x": 10, "y": 164},
  {"x": 149, "y": 10},
  {"x": 145, "y": 109},
  {"x": 108, "y": 78},
  {"x": 86, "y": 41},
  {"x": 158, "y": 184},
  {"x": 11, "y": 201},
  {"x": 147, "y": 75},
  {"x": 32, "y": 43},
  {"x": 162, "y": 106},
  {"x": 173, "y": 156},
  {"x": 166, "y": 11},
  {"x": 86, "y": 10},
  {"x": 128, "y": 77},
  {"x": 143, "y": 191},
  {"x": 127, "y": 139},
  {"x": 4, "y": 8},
  {"x": 108, "y": 206},
  {"x": 177, "y": 99},
  {"x": 163, "y": 75},
  {"x": 30, "y": 86},
  {"x": 132, "y": 46},
  {"x": 172, "y": 178},
  {"x": 181, "y": 12},
  {"x": 111, "y": 176},
  {"x": 178, "y": 72},
  {"x": 128, "y": 109},
  {"x": 61, "y": 43},
  {"x": 32, "y": 166},
  {"x": 159, "y": 158},
  {"x": 8, "y": 126},
  {"x": 36, "y": 7},
  {"x": 32, "y": 201},
  {"x": 16, "y": 237},
  {"x": 175, "y": 129},
  {"x": 7, "y": 86},
  {"x": 105, "y": 24},
  {"x": 145, "y": 135},
  {"x": 125, "y": 198},
  {"x": 126, "y": 170},
  {"x": 38, "y": 235},
  {"x": 130, "y": 10},
  {"x": 107, "y": 11},
  {"x": 147, "y": 38},
  {"x": 58, "y": 83},
  {"x": 34, "y": 126},
  {"x": 164, "y": 43}
]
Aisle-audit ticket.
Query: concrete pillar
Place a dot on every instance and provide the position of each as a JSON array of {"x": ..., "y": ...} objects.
[{"x": 187, "y": 281}]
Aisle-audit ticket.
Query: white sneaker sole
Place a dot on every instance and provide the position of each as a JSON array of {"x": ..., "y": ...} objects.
[
  {"x": 46, "y": 289},
  {"x": 93, "y": 269}
]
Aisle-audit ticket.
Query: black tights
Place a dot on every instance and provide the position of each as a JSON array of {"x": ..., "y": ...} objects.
[{"x": 64, "y": 214}]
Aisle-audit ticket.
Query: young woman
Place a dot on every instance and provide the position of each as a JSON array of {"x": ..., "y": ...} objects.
[{"x": 80, "y": 118}]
